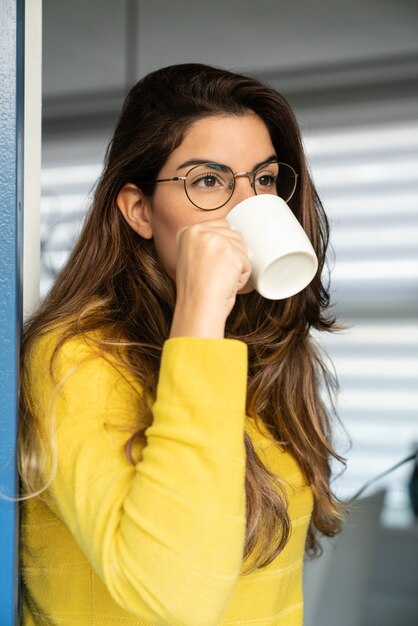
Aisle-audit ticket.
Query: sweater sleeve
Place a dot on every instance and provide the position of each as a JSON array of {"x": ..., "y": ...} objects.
[{"x": 165, "y": 535}]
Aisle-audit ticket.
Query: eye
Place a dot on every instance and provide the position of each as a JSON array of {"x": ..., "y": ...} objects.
[
  {"x": 206, "y": 181},
  {"x": 266, "y": 179},
  {"x": 208, "y": 177}
]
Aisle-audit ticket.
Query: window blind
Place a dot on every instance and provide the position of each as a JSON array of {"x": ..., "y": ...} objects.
[{"x": 367, "y": 177}]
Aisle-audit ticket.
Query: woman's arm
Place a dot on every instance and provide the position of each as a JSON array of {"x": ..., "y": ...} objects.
[{"x": 167, "y": 535}]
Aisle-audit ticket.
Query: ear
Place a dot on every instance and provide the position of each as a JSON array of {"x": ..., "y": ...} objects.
[{"x": 135, "y": 207}]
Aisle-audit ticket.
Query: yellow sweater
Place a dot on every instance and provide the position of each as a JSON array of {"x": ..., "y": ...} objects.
[{"x": 160, "y": 542}]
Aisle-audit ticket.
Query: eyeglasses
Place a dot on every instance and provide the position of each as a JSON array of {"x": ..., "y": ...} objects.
[{"x": 209, "y": 186}]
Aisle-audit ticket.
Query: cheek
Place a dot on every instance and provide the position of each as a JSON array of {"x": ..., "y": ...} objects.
[
  {"x": 167, "y": 219},
  {"x": 167, "y": 223},
  {"x": 171, "y": 211},
  {"x": 165, "y": 242},
  {"x": 168, "y": 211}
]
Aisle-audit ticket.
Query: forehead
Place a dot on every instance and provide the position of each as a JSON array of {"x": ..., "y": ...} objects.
[{"x": 235, "y": 140}]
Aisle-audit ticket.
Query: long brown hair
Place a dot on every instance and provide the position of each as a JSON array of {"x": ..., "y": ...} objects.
[{"x": 114, "y": 284}]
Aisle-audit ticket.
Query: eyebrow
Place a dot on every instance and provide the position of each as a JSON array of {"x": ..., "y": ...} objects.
[{"x": 192, "y": 162}]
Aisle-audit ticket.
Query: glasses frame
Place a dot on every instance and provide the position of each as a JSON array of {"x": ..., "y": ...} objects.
[{"x": 250, "y": 175}]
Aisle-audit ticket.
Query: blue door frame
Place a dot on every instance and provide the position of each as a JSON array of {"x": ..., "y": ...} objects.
[{"x": 11, "y": 231}]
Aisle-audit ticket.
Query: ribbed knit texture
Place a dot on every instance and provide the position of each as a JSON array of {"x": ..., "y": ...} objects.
[{"x": 159, "y": 543}]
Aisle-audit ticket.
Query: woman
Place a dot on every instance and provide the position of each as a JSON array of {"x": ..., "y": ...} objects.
[{"x": 172, "y": 428}]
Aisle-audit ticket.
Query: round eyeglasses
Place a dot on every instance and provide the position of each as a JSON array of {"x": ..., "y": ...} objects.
[{"x": 209, "y": 186}]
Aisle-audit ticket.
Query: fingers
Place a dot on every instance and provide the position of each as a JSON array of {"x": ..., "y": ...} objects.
[
  {"x": 220, "y": 226},
  {"x": 215, "y": 236},
  {"x": 212, "y": 265}
]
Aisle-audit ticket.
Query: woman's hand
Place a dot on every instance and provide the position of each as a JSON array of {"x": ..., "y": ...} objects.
[{"x": 212, "y": 266}]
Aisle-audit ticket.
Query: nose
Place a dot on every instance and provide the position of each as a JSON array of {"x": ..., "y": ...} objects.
[{"x": 243, "y": 188}]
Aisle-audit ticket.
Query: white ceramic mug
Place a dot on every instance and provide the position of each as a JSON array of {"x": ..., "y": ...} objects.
[{"x": 282, "y": 257}]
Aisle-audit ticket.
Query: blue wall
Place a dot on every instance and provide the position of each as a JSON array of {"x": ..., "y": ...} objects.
[{"x": 11, "y": 196}]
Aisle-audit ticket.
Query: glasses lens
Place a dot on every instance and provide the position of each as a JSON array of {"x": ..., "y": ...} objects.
[
  {"x": 277, "y": 178},
  {"x": 286, "y": 181},
  {"x": 209, "y": 186}
]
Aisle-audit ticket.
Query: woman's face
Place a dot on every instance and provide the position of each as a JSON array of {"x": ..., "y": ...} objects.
[{"x": 240, "y": 142}]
